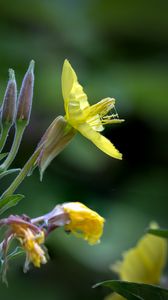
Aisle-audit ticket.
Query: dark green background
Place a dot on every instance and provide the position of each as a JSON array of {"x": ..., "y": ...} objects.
[{"x": 118, "y": 49}]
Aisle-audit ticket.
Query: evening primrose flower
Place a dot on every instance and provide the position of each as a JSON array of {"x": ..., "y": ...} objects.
[
  {"x": 81, "y": 117},
  {"x": 88, "y": 120},
  {"x": 142, "y": 264},
  {"x": 84, "y": 222}
]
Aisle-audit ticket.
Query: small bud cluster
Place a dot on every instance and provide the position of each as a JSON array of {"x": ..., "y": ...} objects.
[{"x": 16, "y": 112}]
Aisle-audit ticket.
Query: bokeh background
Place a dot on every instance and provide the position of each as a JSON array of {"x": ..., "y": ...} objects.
[{"x": 118, "y": 49}]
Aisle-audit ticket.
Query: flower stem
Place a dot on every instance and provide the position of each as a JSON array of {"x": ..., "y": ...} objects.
[
  {"x": 23, "y": 173},
  {"x": 16, "y": 143},
  {"x": 4, "y": 136}
]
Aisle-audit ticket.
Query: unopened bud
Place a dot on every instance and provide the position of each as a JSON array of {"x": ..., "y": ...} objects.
[
  {"x": 56, "y": 137},
  {"x": 26, "y": 95},
  {"x": 9, "y": 102}
]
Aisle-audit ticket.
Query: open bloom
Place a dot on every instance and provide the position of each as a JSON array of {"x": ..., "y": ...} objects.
[
  {"x": 81, "y": 117},
  {"x": 84, "y": 222},
  {"x": 142, "y": 264},
  {"x": 88, "y": 120}
]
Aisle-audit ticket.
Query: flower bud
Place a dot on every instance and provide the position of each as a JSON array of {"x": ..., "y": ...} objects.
[
  {"x": 9, "y": 102},
  {"x": 26, "y": 96},
  {"x": 56, "y": 137},
  {"x": 84, "y": 222}
]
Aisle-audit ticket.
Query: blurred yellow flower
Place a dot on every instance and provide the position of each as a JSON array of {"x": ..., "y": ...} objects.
[
  {"x": 30, "y": 241},
  {"x": 84, "y": 222},
  {"x": 88, "y": 120},
  {"x": 114, "y": 296},
  {"x": 142, "y": 264}
]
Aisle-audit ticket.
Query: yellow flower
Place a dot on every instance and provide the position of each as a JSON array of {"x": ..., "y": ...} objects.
[
  {"x": 144, "y": 263},
  {"x": 84, "y": 222},
  {"x": 30, "y": 241},
  {"x": 88, "y": 120},
  {"x": 79, "y": 116}
]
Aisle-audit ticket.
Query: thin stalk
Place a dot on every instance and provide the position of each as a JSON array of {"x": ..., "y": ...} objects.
[
  {"x": 8, "y": 172},
  {"x": 15, "y": 146},
  {"x": 23, "y": 173},
  {"x": 4, "y": 135},
  {"x": 38, "y": 220}
]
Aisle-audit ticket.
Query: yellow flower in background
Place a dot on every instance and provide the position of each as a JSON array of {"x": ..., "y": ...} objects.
[
  {"x": 114, "y": 296},
  {"x": 88, "y": 120},
  {"x": 84, "y": 222},
  {"x": 142, "y": 264}
]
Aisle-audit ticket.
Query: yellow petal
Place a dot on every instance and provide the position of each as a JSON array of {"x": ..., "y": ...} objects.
[
  {"x": 145, "y": 262},
  {"x": 75, "y": 100},
  {"x": 114, "y": 296},
  {"x": 99, "y": 140},
  {"x": 102, "y": 107}
]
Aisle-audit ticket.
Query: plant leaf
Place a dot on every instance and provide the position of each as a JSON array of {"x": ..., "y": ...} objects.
[
  {"x": 159, "y": 232},
  {"x": 9, "y": 201},
  {"x": 134, "y": 291}
]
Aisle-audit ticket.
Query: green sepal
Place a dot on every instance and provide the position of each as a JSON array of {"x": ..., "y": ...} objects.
[
  {"x": 134, "y": 291},
  {"x": 158, "y": 232},
  {"x": 9, "y": 201},
  {"x": 55, "y": 139}
]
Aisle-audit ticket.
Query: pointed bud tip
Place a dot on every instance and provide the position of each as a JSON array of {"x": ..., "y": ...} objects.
[
  {"x": 31, "y": 66},
  {"x": 66, "y": 62},
  {"x": 11, "y": 74}
]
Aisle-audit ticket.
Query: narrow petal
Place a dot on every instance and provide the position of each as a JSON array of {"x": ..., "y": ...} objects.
[
  {"x": 102, "y": 107},
  {"x": 75, "y": 100},
  {"x": 99, "y": 140},
  {"x": 68, "y": 79}
]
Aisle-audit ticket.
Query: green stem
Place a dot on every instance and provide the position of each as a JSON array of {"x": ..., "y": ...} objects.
[
  {"x": 16, "y": 143},
  {"x": 8, "y": 172},
  {"x": 4, "y": 135},
  {"x": 23, "y": 173}
]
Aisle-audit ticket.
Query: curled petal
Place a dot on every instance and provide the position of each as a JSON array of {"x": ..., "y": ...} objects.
[{"x": 84, "y": 222}]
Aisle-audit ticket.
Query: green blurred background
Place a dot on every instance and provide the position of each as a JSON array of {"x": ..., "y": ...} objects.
[{"x": 118, "y": 49}]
